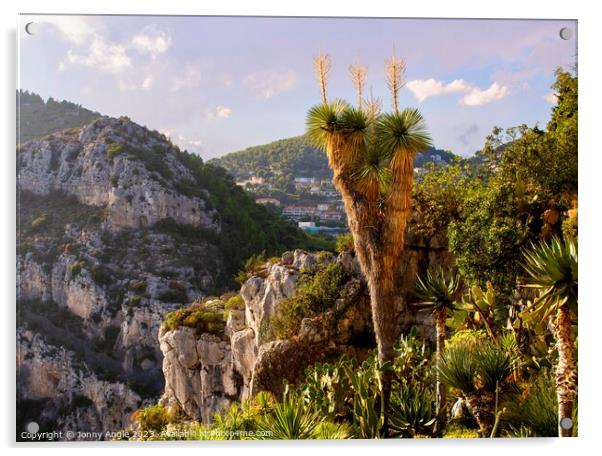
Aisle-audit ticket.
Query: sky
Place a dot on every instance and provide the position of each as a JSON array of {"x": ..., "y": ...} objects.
[{"x": 216, "y": 85}]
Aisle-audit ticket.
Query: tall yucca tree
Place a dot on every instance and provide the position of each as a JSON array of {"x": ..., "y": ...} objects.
[
  {"x": 372, "y": 159},
  {"x": 552, "y": 268},
  {"x": 439, "y": 292}
]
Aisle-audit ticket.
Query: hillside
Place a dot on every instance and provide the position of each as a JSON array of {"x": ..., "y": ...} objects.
[
  {"x": 281, "y": 161},
  {"x": 38, "y": 118},
  {"x": 116, "y": 227}
]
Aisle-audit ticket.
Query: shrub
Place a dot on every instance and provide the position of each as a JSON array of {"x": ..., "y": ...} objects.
[
  {"x": 152, "y": 418},
  {"x": 207, "y": 316},
  {"x": 290, "y": 419},
  {"x": 344, "y": 243},
  {"x": 114, "y": 149},
  {"x": 176, "y": 293},
  {"x": 314, "y": 296},
  {"x": 39, "y": 222},
  {"x": 235, "y": 302},
  {"x": 134, "y": 301},
  {"x": 540, "y": 410},
  {"x": 138, "y": 286},
  {"x": 114, "y": 181}
]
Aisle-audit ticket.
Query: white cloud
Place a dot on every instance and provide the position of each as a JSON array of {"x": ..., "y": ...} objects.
[
  {"x": 102, "y": 55},
  {"x": 145, "y": 84},
  {"x": 219, "y": 112},
  {"x": 266, "y": 84},
  {"x": 77, "y": 29},
  {"x": 190, "y": 78},
  {"x": 425, "y": 88},
  {"x": 551, "y": 98},
  {"x": 478, "y": 97},
  {"x": 152, "y": 40}
]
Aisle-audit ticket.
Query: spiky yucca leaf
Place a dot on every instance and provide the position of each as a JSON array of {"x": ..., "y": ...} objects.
[
  {"x": 552, "y": 268},
  {"x": 472, "y": 365},
  {"x": 323, "y": 119},
  {"x": 327, "y": 430},
  {"x": 458, "y": 367},
  {"x": 402, "y": 133},
  {"x": 438, "y": 290},
  {"x": 371, "y": 175},
  {"x": 289, "y": 420}
]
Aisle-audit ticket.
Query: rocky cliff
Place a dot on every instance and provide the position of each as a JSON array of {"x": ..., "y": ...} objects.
[
  {"x": 206, "y": 371},
  {"x": 116, "y": 228}
]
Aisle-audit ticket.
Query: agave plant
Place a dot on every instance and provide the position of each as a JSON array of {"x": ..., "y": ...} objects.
[
  {"x": 327, "y": 430},
  {"x": 438, "y": 293},
  {"x": 289, "y": 420},
  {"x": 480, "y": 370},
  {"x": 412, "y": 411},
  {"x": 552, "y": 269},
  {"x": 372, "y": 159}
]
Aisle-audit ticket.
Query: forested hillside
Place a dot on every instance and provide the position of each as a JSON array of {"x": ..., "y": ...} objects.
[{"x": 37, "y": 118}]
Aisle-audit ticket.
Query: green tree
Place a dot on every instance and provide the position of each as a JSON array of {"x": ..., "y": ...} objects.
[
  {"x": 372, "y": 159},
  {"x": 552, "y": 269},
  {"x": 438, "y": 293}
]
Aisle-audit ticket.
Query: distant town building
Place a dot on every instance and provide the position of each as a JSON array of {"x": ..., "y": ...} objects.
[
  {"x": 253, "y": 180},
  {"x": 264, "y": 201},
  {"x": 323, "y": 207},
  {"x": 307, "y": 224},
  {"x": 305, "y": 180},
  {"x": 298, "y": 211},
  {"x": 314, "y": 190}
]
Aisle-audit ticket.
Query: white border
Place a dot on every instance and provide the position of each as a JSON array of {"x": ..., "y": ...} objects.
[{"x": 589, "y": 175}]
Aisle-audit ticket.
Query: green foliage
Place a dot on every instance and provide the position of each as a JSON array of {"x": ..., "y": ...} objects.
[
  {"x": 327, "y": 430},
  {"x": 205, "y": 316},
  {"x": 412, "y": 410},
  {"x": 438, "y": 195},
  {"x": 402, "y": 131},
  {"x": 480, "y": 310},
  {"x": 473, "y": 362},
  {"x": 368, "y": 409},
  {"x": 47, "y": 215},
  {"x": 438, "y": 290},
  {"x": 412, "y": 360},
  {"x": 115, "y": 149},
  {"x": 315, "y": 294},
  {"x": 344, "y": 243},
  {"x": 281, "y": 161},
  {"x": 540, "y": 410},
  {"x": 175, "y": 293},
  {"x": 327, "y": 387},
  {"x": 152, "y": 418},
  {"x": 552, "y": 268},
  {"x": 488, "y": 237},
  {"x": 290, "y": 420},
  {"x": 236, "y": 302},
  {"x": 38, "y": 118}
]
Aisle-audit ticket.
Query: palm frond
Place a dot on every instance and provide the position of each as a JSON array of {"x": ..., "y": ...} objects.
[{"x": 438, "y": 290}]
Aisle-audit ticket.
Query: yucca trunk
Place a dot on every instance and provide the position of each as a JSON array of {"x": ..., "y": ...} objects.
[
  {"x": 440, "y": 317},
  {"x": 382, "y": 300},
  {"x": 482, "y": 406},
  {"x": 566, "y": 372}
]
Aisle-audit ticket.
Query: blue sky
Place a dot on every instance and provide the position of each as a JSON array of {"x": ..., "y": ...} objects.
[{"x": 220, "y": 84}]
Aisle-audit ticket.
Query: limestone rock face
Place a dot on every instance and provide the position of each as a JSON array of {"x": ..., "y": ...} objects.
[
  {"x": 200, "y": 378},
  {"x": 98, "y": 271},
  {"x": 101, "y": 165},
  {"x": 261, "y": 295},
  {"x": 73, "y": 397}
]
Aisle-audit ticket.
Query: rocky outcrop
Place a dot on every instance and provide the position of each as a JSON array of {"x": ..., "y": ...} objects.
[
  {"x": 107, "y": 164},
  {"x": 100, "y": 258},
  {"x": 70, "y": 396},
  {"x": 202, "y": 377}
]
